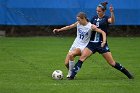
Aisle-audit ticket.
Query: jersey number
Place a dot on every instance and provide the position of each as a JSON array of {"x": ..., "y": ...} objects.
[
  {"x": 97, "y": 35},
  {"x": 97, "y": 24},
  {"x": 81, "y": 36}
]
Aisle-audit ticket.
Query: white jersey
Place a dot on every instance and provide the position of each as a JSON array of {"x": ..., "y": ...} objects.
[{"x": 83, "y": 36}]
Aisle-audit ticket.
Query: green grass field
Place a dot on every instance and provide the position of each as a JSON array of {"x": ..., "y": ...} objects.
[{"x": 26, "y": 65}]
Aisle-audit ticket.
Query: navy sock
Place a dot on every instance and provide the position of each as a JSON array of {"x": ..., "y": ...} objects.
[
  {"x": 76, "y": 68},
  {"x": 123, "y": 70},
  {"x": 118, "y": 66}
]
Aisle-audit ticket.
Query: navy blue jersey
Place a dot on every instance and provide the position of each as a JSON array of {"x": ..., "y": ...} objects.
[{"x": 101, "y": 23}]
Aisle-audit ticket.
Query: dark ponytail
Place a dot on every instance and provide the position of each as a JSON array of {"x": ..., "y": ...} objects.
[{"x": 103, "y": 5}]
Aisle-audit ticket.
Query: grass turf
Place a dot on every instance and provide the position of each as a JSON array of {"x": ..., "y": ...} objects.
[{"x": 26, "y": 65}]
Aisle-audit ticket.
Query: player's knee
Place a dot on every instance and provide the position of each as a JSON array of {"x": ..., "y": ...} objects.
[
  {"x": 83, "y": 58},
  {"x": 71, "y": 56}
]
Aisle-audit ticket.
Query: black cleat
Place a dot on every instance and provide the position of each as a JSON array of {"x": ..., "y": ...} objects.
[
  {"x": 130, "y": 76},
  {"x": 70, "y": 78}
]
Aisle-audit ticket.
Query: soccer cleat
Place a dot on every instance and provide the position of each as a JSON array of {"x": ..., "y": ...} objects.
[
  {"x": 123, "y": 70},
  {"x": 68, "y": 76},
  {"x": 71, "y": 78},
  {"x": 130, "y": 76}
]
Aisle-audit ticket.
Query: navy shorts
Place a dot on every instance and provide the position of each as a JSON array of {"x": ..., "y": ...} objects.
[{"x": 96, "y": 47}]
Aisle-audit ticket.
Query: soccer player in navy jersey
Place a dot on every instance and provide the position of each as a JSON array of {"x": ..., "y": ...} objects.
[{"x": 101, "y": 21}]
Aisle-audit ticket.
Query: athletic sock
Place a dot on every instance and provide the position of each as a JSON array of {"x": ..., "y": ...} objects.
[
  {"x": 71, "y": 65},
  {"x": 76, "y": 68},
  {"x": 123, "y": 70}
]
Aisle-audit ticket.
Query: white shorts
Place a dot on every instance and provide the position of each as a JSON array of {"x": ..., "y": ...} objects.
[{"x": 75, "y": 46}]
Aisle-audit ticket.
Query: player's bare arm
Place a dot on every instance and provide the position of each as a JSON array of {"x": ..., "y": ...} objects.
[
  {"x": 94, "y": 28},
  {"x": 66, "y": 27},
  {"x": 112, "y": 18}
]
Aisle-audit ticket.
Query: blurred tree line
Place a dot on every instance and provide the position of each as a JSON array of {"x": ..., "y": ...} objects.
[{"x": 123, "y": 31}]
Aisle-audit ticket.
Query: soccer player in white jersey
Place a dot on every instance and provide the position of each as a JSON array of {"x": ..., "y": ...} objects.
[{"x": 84, "y": 28}]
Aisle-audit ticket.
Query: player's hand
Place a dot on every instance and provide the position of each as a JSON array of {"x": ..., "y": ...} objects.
[
  {"x": 111, "y": 8},
  {"x": 55, "y": 30},
  {"x": 103, "y": 44}
]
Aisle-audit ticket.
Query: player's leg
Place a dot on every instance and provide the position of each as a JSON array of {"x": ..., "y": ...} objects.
[
  {"x": 72, "y": 55},
  {"x": 67, "y": 61},
  {"x": 110, "y": 60},
  {"x": 85, "y": 54},
  {"x": 108, "y": 57}
]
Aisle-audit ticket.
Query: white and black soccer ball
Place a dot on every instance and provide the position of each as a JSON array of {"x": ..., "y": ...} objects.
[{"x": 57, "y": 75}]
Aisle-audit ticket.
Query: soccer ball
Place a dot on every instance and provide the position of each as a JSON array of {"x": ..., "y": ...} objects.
[{"x": 57, "y": 75}]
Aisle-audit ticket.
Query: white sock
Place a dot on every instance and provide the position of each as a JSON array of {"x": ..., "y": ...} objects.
[{"x": 71, "y": 65}]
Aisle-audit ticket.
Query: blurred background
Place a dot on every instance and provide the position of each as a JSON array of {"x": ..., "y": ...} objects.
[{"x": 40, "y": 17}]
